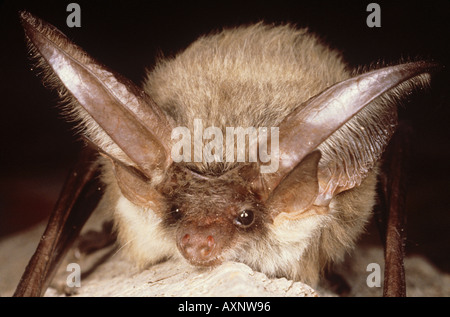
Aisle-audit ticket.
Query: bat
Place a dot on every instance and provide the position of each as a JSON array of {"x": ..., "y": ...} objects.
[{"x": 178, "y": 190}]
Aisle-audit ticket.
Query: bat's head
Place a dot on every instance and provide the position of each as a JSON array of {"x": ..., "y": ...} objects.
[{"x": 326, "y": 145}]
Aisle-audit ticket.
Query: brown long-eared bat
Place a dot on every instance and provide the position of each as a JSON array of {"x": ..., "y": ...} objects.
[{"x": 255, "y": 144}]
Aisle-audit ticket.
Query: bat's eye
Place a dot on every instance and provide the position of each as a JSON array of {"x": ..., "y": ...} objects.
[
  {"x": 175, "y": 212},
  {"x": 245, "y": 218}
]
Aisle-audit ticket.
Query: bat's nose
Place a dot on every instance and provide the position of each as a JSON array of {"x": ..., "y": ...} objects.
[{"x": 198, "y": 247}]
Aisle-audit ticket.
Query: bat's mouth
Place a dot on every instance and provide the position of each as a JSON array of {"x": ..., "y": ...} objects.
[{"x": 206, "y": 263}]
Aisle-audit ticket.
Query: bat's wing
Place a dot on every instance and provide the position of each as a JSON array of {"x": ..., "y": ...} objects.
[
  {"x": 78, "y": 199},
  {"x": 392, "y": 214}
]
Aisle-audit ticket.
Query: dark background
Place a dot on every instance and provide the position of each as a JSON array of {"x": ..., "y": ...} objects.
[{"x": 37, "y": 146}]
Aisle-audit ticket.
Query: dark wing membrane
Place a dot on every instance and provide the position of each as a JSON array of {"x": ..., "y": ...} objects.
[{"x": 78, "y": 199}]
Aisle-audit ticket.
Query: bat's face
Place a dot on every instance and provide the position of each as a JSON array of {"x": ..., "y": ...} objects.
[
  {"x": 288, "y": 221},
  {"x": 210, "y": 215}
]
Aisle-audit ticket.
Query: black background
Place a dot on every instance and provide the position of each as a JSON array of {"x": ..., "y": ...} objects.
[{"x": 37, "y": 146}]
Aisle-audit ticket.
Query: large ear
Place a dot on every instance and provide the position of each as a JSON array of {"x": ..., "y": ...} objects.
[
  {"x": 351, "y": 123},
  {"x": 117, "y": 115}
]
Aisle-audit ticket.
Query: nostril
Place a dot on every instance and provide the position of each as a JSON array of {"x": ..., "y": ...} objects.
[
  {"x": 185, "y": 239},
  {"x": 210, "y": 242},
  {"x": 208, "y": 247}
]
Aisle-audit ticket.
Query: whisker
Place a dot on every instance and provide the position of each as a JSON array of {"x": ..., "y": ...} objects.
[{"x": 123, "y": 246}]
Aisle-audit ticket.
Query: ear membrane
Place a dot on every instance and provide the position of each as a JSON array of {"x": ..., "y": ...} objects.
[
  {"x": 352, "y": 151},
  {"x": 299, "y": 189},
  {"x": 350, "y": 122},
  {"x": 117, "y": 115},
  {"x": 135, "y": 186}
]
